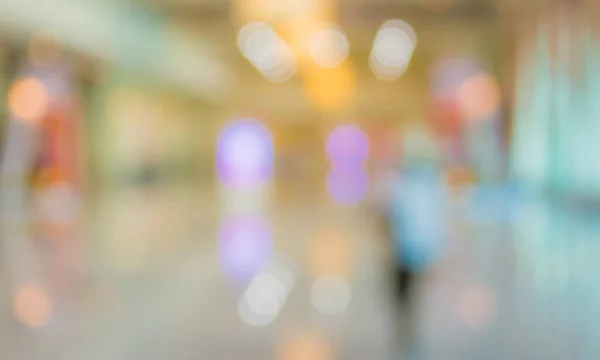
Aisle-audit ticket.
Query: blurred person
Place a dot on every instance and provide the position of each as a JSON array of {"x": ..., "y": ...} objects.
[
  {"x": 416, "y": 226},
  {"x": 416, "y": 214}
]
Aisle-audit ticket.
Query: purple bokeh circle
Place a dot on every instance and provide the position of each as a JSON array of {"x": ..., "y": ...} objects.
[
  {"x": 245, "y": 154},
  {"x": 347, "y": 147},
  {"x": 347, "y": 187},
  {"x": 245, "y": 246}
]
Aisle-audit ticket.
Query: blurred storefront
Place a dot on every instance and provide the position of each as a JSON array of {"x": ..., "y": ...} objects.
[
  {"x": 98, "y": 97},
  {"x": 41, "y": 173},
  {"x": 145, "y": 135}
]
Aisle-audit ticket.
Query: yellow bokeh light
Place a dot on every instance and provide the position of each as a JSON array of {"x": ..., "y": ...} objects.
[
  {"x": 478, "y": 97},
  {"x": 304, "y": 346},
  {"x": 28, "y": 99},
  {"x": 330, "y": 89},
  {"x": 32, "y": 306},
  {"x": 282, "y": 11},
  {"x": 296, "y": 33}
]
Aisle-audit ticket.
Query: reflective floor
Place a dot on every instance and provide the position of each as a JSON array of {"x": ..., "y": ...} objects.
[{"x": 175, "y": 272}]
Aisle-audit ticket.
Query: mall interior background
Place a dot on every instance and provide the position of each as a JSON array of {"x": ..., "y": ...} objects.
[{"x": 202, "y": 179}]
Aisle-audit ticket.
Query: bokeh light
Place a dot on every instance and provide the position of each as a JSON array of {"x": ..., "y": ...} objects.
[
  {"x": 245, "y": 154},
  {"x": 477, "y": 306},
  {"x": 282, "y": 12},
  {"x": 267, "y": 51},
  {"x": 245, "y": 246},
  {"x": 32, "y": 306},
  {"x": 478, "y": 97},
  {"x": 448, "y": 73},
  {"x": 28, "y": 99},
  {"x": 304, "y": 346},
  {"x": 330, "y": 89},
  {"x": 392, "y": 49},
  {"x": 263, "y": 300},
  {"x": 347, "y": 146},
  {"x": 347, "y": 187},
  {"x": 384, "y": 72},
  {"x": 250, "y": 317},
  {"x": 331, "y": 295},
  {"x": 331, "y": 253},
  {"x": 461, "y": 81},
  {"x": 328, "y": 46},
  {"x": 266, "y": 295},
  {"x": 281, "y": 268}
]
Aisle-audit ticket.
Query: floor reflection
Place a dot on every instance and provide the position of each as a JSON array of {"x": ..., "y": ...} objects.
[{"x": 250, "y": 283}]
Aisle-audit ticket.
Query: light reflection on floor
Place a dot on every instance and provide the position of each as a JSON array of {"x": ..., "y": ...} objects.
[{"x": 525, "y": 291}]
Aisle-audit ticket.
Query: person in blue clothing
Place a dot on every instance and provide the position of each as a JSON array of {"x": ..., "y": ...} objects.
[{"x": 417, "y": 210}]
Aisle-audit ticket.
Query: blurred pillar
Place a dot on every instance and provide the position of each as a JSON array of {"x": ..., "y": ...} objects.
[{"x": 555, "y": 88}]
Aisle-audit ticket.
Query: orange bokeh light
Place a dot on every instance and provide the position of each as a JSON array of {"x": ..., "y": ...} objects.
[
  {"x": 32, "y": 306},
  {"x": 330, "y": 89},
  {"x": 478, "y": 97},
  {"x": 306, "y": 346},
  {"x": 28, "y": 99},
  {"x": 330, "y": 254}
]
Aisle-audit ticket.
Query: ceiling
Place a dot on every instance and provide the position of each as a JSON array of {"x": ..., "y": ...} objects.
[{"x": 471, "y": 26}]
